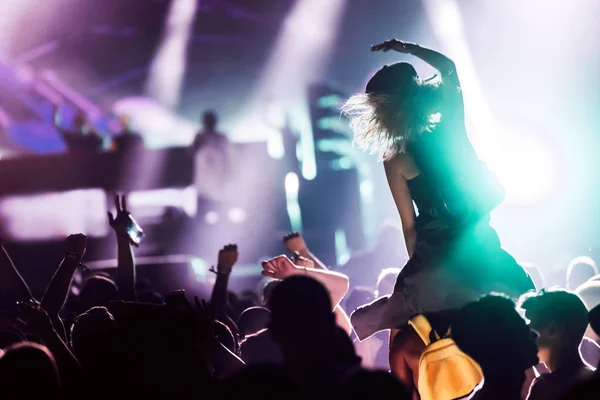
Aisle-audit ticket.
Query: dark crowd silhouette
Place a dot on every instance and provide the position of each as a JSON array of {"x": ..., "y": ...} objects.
[{"x": 120, "y": 339}]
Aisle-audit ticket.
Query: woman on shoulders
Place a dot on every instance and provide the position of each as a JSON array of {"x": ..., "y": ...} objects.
[{"x": 417, "y": 129}]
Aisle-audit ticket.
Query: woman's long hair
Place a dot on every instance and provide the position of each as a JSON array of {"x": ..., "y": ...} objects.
[{"x": 383, "y": 123}]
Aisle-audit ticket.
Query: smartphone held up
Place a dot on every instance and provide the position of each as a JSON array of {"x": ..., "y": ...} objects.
[{"x": 134, "y": 230}]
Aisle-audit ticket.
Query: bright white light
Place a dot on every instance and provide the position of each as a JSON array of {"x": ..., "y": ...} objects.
[
  {"x": 200, "y": 268},
  {"x": 342, "y": 163},
  {"x": 367, "y": 191},
  {"x": 525, "y": 167},
  {"x": 295, "y": 216},
  {"x": 450, "y": 19},
  {"x": 291, "y": 185},
  {"x": 185, "y": 199},
  {"x": 168, "y": 66},
  {"x": 448, "y": 26},
  {"x": 275, "y": 147},
  {"x": 303, "y": 46},
  {"x": 342, "y": 251},
  {"x": 275, "y": 115},
  {"x": 54, "y": 215},
  {"x": 236, "y": 215},
  {"x": 17, "y": 12},
  {"x": 159, "y": 126},
  {"x": 211, "y": 217}
]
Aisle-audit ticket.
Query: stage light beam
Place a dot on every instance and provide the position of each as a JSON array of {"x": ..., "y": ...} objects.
[
  {"x": 167, "y": 69},
  {"x": 298, "y": 58},
  {"x": 524, "y": 166}
]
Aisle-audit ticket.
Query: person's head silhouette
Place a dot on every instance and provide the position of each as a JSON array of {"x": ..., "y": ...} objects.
[
  {"x": 560, "y": 318},
  {"x": 493, "y": 333},
  {"x": 301, "y": 311},
  {"x": 209, "y": 121},
  {"x": 29, "y": 371}
]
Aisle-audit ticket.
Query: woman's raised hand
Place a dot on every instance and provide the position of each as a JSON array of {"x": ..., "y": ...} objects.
[{"x": 392, "y": 44}]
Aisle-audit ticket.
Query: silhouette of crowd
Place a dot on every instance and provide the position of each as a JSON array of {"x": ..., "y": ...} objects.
[{"x": 118, "y": 338}]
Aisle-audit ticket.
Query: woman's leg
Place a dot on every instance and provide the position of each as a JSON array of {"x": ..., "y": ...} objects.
[
  {"x": 437, "y": 278},
  {"x": 379, "y": 315}
]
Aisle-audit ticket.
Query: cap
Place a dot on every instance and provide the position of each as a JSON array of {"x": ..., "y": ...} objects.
[{"x": 392, "y": 79}]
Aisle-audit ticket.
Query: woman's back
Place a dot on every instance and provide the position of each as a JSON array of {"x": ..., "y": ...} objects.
[{"x": 453, "y": 181}]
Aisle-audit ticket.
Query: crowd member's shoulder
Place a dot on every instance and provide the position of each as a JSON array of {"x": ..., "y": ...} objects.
[{"x": 590, "y": 351}]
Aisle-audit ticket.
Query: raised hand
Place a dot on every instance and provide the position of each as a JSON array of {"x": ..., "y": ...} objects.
[
  {"x": 122, "y": 213},
  {"x": 393, "y": 44},
  {"x": 303, "y": 262},
  {"x": 120, "y": 221},
  {"x": 280, "y": 267},
  {"x": 77, "y": 244},
  {"x": 294, "y": 243},
  {"x": 228, "y": 256}
]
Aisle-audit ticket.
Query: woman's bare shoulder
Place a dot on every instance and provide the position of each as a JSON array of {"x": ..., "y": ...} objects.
[{"x": 403, "y": 164}]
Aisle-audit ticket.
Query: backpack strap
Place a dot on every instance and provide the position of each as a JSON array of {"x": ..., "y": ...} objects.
[
  {"x": 423, "y": 328},
  {"x": 448, "y": 333}
]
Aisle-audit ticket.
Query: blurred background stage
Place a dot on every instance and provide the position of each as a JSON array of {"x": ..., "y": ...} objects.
[{"x": 276, "y": 72}]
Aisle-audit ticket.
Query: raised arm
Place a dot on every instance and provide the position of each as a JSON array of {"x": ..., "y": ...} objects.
[
  {"x": 437, "y": 60},
  {"x": 58, "y": 289},
  {"x": 228, "y": 256},
  {"x": 281, "y": 267},
  {"x": 12, "y": 282},
  {"x": 403, "y": 200},
  {"x": 125, "y": 256},
  {"x": 294, "y": 243},
  {"x": 35, "y": 320},
  {"x": 446, "y": 67}
]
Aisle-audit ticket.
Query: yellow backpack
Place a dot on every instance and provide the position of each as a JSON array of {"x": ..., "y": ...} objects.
[{"x": 445, "y": 372}]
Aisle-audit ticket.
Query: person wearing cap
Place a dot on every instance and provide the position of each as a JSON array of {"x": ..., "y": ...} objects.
[{"x": 417, "y": 128}]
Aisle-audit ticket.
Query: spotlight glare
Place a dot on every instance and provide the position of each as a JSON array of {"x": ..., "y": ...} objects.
[
  {"x": 236, "y": 215},
  {"x": 199, "y": 268},
  {"x": 291, "y": 185},
  {"x": 275, "y": 115},
  {"x": 211, "y": 217},
  {"x": 367, "y": 191},
  {"x": 342, "y": 251},
  {"x": 525, "y": 167}
]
